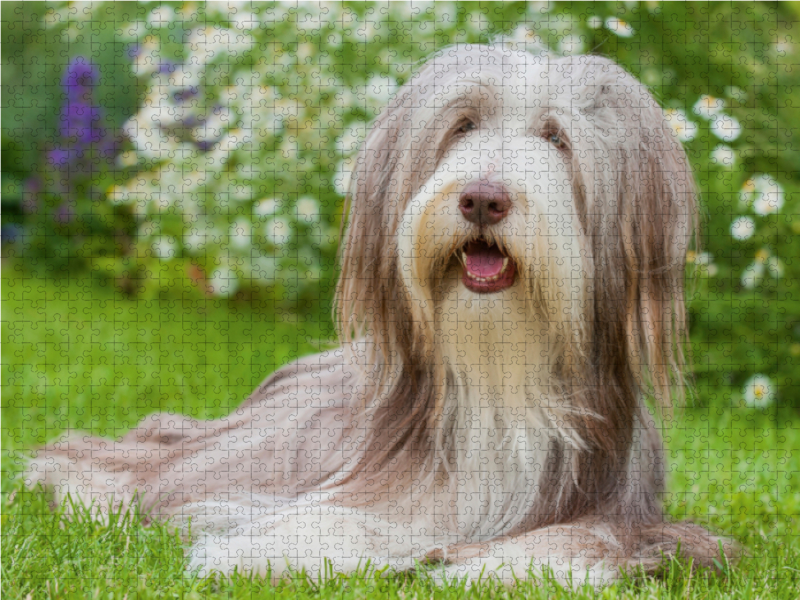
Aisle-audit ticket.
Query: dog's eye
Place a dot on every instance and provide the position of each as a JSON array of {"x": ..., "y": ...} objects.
[
  {"x": 556, "y": 140},
  {"x": 466, "y": 126}
]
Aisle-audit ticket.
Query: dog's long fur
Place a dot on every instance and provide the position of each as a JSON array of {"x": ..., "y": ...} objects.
[{"x": 487, "y": 430}]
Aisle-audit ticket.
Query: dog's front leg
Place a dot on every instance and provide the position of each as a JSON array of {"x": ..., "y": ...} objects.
[
  {"x": 573, "y": 553},
  {"x": 303, "y": 538}
]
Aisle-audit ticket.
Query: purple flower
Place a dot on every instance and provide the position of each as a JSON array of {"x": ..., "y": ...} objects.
[
  {"x": 10, "y": 232},
  {"x": 31, "y": 189},
  {"x": 186, "y": 94},
  {"x": 84, "y": 143},
  {"x": 59, "y": 157},
  {"x": 63, "y": 214},
  {"x": 167, "y": 66},
  {"x": 81, "y": 122},
  {"x": 79, "y": 78}
]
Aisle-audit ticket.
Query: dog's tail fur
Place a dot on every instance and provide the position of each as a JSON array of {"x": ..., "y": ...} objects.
[{"x": 283, "y": 440}]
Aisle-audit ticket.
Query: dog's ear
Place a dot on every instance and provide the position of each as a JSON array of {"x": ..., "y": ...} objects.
[
  {"x": 368, "y": 294},
  {"x": 643, "y": 222},
  {"x": 656, "y": 239}
]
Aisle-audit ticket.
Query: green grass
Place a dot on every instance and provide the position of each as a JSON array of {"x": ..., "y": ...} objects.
[{"x": 77, "y": 356}]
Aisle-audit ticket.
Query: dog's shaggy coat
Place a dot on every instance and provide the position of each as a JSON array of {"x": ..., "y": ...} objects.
[{"x": 495, "y": 430}]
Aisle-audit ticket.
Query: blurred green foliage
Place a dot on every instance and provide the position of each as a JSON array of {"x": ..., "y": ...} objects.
[{"x": 236, "y": 124}]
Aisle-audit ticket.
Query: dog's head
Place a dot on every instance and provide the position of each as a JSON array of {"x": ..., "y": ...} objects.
[{"x": 544, "y": 193}]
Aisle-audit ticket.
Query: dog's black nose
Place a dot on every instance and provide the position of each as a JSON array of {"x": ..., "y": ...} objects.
[{"x": 484, "y": 202}]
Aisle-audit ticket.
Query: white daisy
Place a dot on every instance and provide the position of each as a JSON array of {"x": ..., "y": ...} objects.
[
  {"x": 769, "y": 195},
  {"x": 725, "y": 127},
  {"x": 223, "y": 282},
  {"x": 240, "y": 233},
  {"x": 723, "y": 155},
  {"x": 684, "y": 129},
  {"x": 278, "y": 231},
  {"x": 708, "y": 106},
  {"x": 752, "y": 275},
  {"x": 743, "y": 228},
  {"x": 620, "y": 27},
  {"x": 165, "y": 247},
  {"x": 758, "y": 391}
]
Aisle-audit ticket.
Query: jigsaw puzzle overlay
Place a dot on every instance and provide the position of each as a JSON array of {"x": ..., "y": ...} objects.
[{"x": 492, "y": 291}]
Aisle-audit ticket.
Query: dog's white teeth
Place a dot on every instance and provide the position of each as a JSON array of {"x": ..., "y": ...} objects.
[
  {"x": 505, "y": 265},
  {"x": 463, "y": 257}
]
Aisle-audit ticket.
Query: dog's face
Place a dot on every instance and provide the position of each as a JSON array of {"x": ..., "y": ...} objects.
[
  {"x": 536, "y": 202},
  {"x": 489, "y": 244}
]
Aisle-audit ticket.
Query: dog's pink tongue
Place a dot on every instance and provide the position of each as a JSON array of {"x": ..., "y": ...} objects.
[{"x": 483, "y": 260}]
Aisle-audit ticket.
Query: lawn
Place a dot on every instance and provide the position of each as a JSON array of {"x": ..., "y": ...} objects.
[{"x": 77, "y": 355}]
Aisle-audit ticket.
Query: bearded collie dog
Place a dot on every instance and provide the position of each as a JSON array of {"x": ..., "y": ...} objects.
[{"x": 511, "y": 316}]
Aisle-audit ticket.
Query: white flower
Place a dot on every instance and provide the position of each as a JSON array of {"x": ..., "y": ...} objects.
[
  {"x": 620, "y": 27},
  {"x": 746, "y": 193},
  {"x": 571, "y": 44},
  {"x": 381, "y": 88},
  {"x": 594, "y": 22},
  {"x": 752, "y": 275},
  {"x": 162, "y": 200},
  {"x": 684, "y": 129},
  {"x": 341, "y": 180},
  {"x": 241, "y": 192},
  {"x": 541, "y": 7},
  {"x": 723, "y": 155},
  {"x": 194, "y": 240},
  {"x": 244, "y": 20},
  {"x": 307, "y": 210},
  {"x": 214, "y": 126},
  {"x": 181, "y": 77},
  {"x": 118, "y": 194},
  {"x": 127, "y": 159},
  {"x": 278, "y": 231},
  {"x": 146, "y": 229},
  {"x": 161, "y": 16},
  {"x": 736, "y": 93},
  {"x": 478, "y": 22},
  {"x": 775, "y": 267},
  {"x": 223, "y": 282},
  {"x": 403, "y": 11},
  {"x": 651, "y": 76},
  {"x": 151, "y": 142},
  {"x": 708, "y": 106},
  {"x": 763, "y": 193},
  {"x": 147, "y": 60},
  {"x": 266, "y": 207},
  {"x": 524, "y": 35},
  {"x": 758, "y": 391},
  {"x": 743, "y": 228},
  {"x": 704, "y": 262},
  {"x": 265, "y": 267},
  {"x": 704, "y": 258},
  {"x": 725, "y": 127},
  {"x": 351, "y": 138},
  {"x": 206, "y": 43},
  {"x": 165, "y": 247},
  {"x": 240, "y": 233},
  {"x": 769, "y": 195}
]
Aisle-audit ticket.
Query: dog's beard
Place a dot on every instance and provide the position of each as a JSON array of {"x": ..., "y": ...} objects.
[{"x": 498, "y": 343}]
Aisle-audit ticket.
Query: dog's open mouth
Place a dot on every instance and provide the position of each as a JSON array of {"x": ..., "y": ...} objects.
[{"x": 486, "y": 268}]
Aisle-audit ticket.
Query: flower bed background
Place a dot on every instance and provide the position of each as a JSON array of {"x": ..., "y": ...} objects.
[{"x": 190, "y": 150}]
